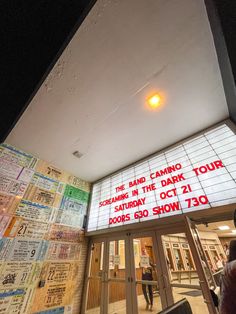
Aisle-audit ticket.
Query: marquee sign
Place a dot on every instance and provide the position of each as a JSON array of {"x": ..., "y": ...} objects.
[{"x": 199, "y": 174}]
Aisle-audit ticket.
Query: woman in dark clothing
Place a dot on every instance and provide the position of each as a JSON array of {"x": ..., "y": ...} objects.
[
  {"x": 147, "y": 289},
  {"x": 228, "y": 283},
  {"x": 147, "y": 275}
]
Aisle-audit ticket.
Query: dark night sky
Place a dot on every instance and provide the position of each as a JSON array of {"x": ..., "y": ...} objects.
[
  {"x": 227, "y": 14},
  {"x": 33, "y": 34}
]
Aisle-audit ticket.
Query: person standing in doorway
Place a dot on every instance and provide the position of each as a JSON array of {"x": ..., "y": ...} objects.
[
  {"x": 147, "y": 275},
  {"x": 228, "y": 283}
]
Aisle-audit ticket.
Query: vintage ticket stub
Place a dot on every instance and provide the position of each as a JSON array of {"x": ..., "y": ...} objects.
[
  {"x": 34, "y": 211},
  {"x": 69, "y": 218},
  {"x": 32, "y": 229},
  {"x": 13, "y": 155},
  {"x": 12, "y": 227},
  {"x": 12, "y": 187},
  {"x": 45, "y": 183},
  {"x": 72, "y": 208},
  {"x": 78, "y": 183},
  {"x": 27, "y": 250},
  {"x": 16, "y": 274},
  {"x": 63, "y": 251},
  {"x": 20, "y": 274},
  {"x": 39, "y": 195},
  {"x": 71, "y": 212},
  {"x": 9, "y": 169},
  {"x": 76, "y": 194},
  {"x": 11, "y": 301},
  {"x": 44, "y": 197},
  {"x": 59, "y": 283},
  {"x": 26, "y": 228},
  {"x": 50, "y": 171},
  {"x": 8, "y": 203},
  {"x": 75, "y": 205},
  {"x": 64, "y": 234}
]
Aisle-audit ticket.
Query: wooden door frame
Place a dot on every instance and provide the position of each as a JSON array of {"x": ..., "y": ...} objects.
[
  {"x": 87, "y": 270},
  {"x": 122, "y": 237},
  {"x": 190, "y": 226}
]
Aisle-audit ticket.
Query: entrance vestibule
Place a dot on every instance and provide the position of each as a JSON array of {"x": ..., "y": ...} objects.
[{"x": 140, "y": 272}]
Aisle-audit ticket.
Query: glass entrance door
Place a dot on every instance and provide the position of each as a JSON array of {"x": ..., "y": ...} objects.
[
  {"x": 117, "y": 283},
  {"x": 188, "y": 273},
  {"x": 148, "y": 271},
  {"x": 150, "y": 289},
  {"x": 107, "y": 286},
  {"x": 94, "y": 285}
]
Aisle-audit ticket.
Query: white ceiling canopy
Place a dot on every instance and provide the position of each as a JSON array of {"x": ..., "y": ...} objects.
[
  {"x": 93, "y": 101},
  {"x": 214, "y": 226}
]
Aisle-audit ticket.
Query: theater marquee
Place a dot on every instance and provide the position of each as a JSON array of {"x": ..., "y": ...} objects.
[{"x": 198, "y": 174}]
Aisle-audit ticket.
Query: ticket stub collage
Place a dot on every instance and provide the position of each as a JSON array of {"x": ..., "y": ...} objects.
[{"x": 42, "y": 212}]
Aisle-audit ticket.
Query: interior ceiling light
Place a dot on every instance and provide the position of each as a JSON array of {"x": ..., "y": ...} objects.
[
  {"x": 223, "y": 227},
  {"x": 154, "y": 101},
  {"x": 233, "y": 231}
]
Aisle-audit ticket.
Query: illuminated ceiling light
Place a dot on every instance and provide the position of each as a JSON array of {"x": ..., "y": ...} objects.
[
  {"x": 233, "y": 231},
  {"x": 223, "y": 227},
  {"x": 154, "y": 101}
]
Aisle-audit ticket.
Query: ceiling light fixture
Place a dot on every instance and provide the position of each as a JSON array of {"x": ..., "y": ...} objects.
[
  {"x": 154, "y": 101},
  {"x": 233, "y": 231},
  {"x": 223, "y": 227},
  {"x": 77, "y": 154}
]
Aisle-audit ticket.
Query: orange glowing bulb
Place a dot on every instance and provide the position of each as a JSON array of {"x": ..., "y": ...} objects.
[{"x": 154, "y": 101}]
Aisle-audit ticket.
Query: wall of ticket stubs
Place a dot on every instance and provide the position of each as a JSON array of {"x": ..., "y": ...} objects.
[{"x": 42, "y": 247}]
